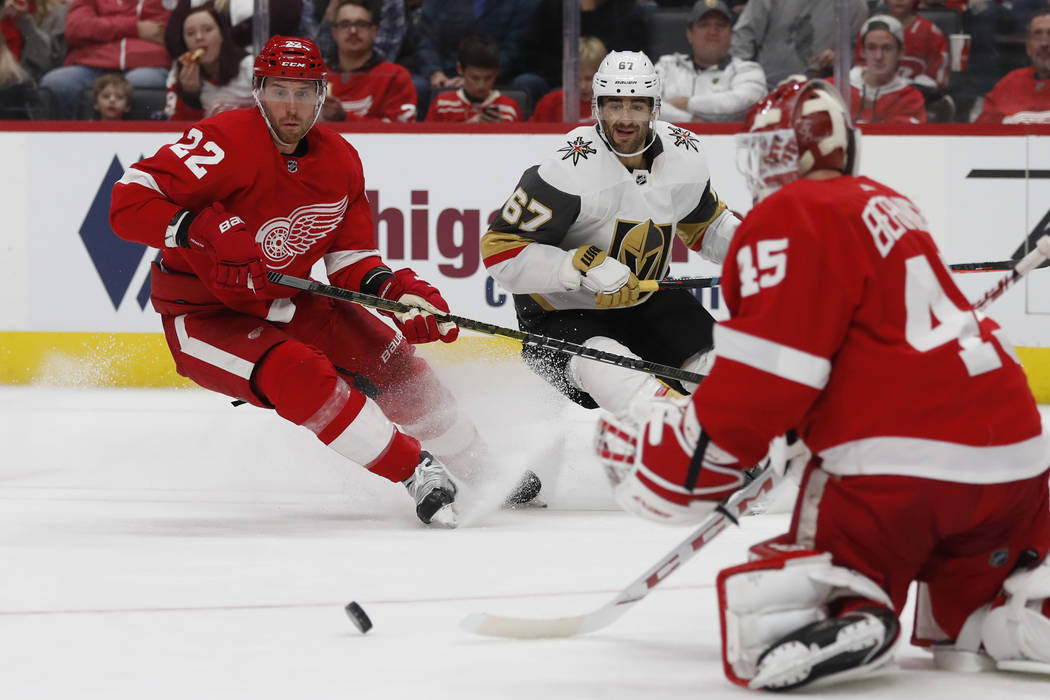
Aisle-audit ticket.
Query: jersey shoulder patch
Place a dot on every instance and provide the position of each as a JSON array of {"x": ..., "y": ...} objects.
[
  {"x": 581, "y": 162},
  {"x": 684, "y": 161}
]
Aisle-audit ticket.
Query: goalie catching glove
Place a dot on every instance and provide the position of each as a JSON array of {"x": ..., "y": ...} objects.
[
  {"x": 612, "y": 282},
  {"x": 421, "y": 324},
  {"x": 663, "y": 466}
]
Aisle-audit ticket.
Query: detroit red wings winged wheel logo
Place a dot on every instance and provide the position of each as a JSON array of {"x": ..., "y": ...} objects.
[{"x": 281, "y": 238}]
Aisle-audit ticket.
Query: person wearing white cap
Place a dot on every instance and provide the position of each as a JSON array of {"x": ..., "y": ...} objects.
[
  {"x": 709, "y": 85},
  {"x": 924, "y": 57},
  {"x": 878, "y": 94}
]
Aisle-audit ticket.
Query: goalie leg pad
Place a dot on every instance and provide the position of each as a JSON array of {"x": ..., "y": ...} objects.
[
  {"x": 1017, "y": 633},
  {"x": 764, "y": 601}
]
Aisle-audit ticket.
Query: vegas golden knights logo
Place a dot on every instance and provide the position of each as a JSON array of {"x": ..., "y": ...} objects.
[{"x": 642, "y": 246}]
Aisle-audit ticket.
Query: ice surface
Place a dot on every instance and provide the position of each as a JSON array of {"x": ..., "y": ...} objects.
[{"x": 161, "y": 544}]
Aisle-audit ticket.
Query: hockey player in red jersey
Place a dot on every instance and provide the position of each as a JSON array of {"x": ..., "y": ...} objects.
[
  {"x": 929, "y": 459},
  {"x": 252, "y": 190}
]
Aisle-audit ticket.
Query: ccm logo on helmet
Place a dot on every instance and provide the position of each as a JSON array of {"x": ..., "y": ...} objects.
[
  {"x": 293, "y": 64},
  {"x": 230, "y": 223}
]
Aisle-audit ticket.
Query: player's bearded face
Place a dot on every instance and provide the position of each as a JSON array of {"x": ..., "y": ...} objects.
[
  {"x": 625, "y": 121},
  {"x": 290, "y": 106}
]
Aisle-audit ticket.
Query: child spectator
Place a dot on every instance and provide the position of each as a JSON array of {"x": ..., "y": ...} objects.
[
  {"x": 476, "y": 101},
  {"x": 211, "y": 73},
  {"x": 550, "y": 107},
  {"x": 1023, "y": 96},
  {"x": 361, "y": 85},
  {"x": 924, "y": 57},
  {"x": 878, "y": 94},
  {"x": 105, "y": 37},
  {"x": 112, "y": 93}
]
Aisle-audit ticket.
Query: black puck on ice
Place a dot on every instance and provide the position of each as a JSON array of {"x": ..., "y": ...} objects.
[{"x": 357, "y": 615}]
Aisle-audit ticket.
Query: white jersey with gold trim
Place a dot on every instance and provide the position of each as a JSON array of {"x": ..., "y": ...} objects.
[{"x": 582, "y": 194}]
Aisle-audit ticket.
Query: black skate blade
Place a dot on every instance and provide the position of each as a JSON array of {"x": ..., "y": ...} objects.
[{"x": 432, "y": 505}]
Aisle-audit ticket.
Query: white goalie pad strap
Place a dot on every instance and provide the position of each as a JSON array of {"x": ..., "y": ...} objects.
[
  {"x": 762, "y": 601},
  {"x": 1019, "y": 631},
  {"x": 718, "y": 236},
  {"x": 367, "y": 437}
]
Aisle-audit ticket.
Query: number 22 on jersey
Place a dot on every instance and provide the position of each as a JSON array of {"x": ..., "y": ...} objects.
[{"x": 195, "y": 162}]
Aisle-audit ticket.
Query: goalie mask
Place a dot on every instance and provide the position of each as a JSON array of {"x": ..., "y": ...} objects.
[
  {"x": 626, "y": 74},
  {"x": 798, "y": 128},
  {"x": 290, "y": 58}
]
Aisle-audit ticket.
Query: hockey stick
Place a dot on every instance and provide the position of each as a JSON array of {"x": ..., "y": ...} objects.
[
  {"x": 701, "y": 282},
  {"x": 541, "y": 341},
  {"x": 739, "y": 504},
  {"x": 678, "y": 283},
  {"x": 1034, "y": 259}
]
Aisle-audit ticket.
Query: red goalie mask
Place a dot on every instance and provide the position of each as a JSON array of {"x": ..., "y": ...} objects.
[{"x": 797, "y": 128}]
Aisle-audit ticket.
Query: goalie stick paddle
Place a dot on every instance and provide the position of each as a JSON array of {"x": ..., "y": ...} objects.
[
  {"x": 741, "y": 503},
  {"x": 542, "y": 341}
]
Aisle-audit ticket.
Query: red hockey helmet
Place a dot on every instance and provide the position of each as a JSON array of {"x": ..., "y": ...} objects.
[
  {"x": 799, "y": 127},
  {"x": 290, "y": 57}
]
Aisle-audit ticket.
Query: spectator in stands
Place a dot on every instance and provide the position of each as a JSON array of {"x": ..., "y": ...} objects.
[
  {"x": 620, "y": 24},
  {"x": 35, "y": 33},
  {"x": 879, "y": 94},
  {"x": 550, "y": 108},
  {"x": 287, "y": 18},
  {"x": 211, "y": 73},
  {"x": 791, "y": 36},
  {"x": 391, "y": 25},
  {"x": 924, "y": 58},
  {"x": 16, "y": 88},
  {"x": 104, "y": 37},
  {"x": 477, "y": 100},
  {"x": 1023, "y": 95},
  {"x": 112, "y": 96},
  {"x": 361, "y": 85},
  {"x": 710, "y": 85},
  {"x": 444, "y": 24}
]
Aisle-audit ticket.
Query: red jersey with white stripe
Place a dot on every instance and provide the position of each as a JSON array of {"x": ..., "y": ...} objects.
[
  {"x": 550, "y": 108},
  {"x": 924, "y": 55},
  {"x": 379, "y": 90},
  {"x": 302, "y": 207},
  {"x": 455, "y": 106},
  {"x": 845, "y": 323},
  {"x": 896, "y": 102},
  {"x": 1019, "y": 98}
]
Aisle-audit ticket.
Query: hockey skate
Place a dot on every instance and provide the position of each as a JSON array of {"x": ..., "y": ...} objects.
[
  {"x": 433, "y": 490},
  {"x": 837, "y": 649},
  {"x": 526, "y": 492}
]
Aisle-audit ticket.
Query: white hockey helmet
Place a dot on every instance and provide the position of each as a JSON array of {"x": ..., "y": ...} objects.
[{"x": 626, "y": 74}]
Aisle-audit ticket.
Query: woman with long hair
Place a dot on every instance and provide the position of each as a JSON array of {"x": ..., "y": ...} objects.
[{"x": 210, "y": 73}]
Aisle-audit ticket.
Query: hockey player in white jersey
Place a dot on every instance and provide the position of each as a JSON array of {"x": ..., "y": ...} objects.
[{"x": 595, "y": 217}]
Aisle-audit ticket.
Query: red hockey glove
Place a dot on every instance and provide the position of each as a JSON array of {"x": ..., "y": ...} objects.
[
  {"x": 662, "y": 466},
  {"x": 421, "y": 324},
  {"x": 225, "y": 239}
]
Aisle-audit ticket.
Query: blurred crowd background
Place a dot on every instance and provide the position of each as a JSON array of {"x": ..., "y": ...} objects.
[{"x": 913, "y": 61}]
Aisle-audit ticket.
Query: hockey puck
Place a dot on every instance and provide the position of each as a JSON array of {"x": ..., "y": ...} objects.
[{"x": 357, "y": 615}]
